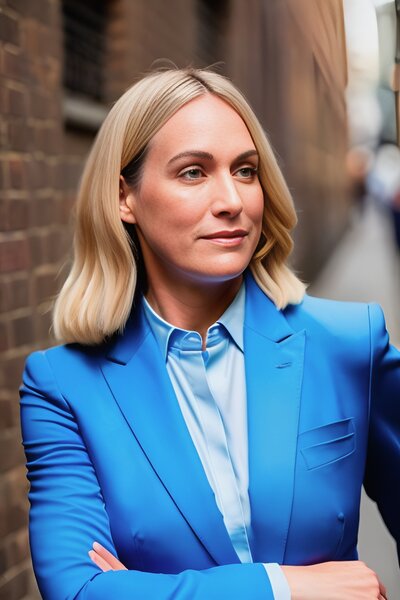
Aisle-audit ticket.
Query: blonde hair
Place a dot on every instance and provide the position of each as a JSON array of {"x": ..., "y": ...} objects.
[{"x": 96, "y": 299}]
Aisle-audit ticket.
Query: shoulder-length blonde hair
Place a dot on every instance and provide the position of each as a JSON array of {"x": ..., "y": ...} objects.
[{"x": 96, "y": 299}]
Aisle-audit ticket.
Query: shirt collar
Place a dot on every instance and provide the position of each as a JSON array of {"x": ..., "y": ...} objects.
[{"x": 232, "y": 320}]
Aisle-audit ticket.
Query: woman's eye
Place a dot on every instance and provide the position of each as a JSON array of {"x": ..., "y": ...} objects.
[
  {"x": 191, "y": 174},
  {"x": 247, "y": 172}
]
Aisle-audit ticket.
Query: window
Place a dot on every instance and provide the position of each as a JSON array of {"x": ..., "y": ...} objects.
[{"x": 84, "y": 25}]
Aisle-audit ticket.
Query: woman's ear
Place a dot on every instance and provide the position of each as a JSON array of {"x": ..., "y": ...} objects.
[{"x": 126, "y": 202}]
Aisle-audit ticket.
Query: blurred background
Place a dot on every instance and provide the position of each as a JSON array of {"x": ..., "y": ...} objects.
[{"x": 321, "y": 76}]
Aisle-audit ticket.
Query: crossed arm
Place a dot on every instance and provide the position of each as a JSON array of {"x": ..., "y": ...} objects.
[{"x": 325, "y": 581}]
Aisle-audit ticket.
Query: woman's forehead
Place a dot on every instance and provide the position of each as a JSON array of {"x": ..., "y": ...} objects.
[{"x": 203, "y": 123}]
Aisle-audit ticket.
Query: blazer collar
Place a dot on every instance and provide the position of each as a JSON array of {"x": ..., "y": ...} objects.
[
  {"x": 262, "y": 315},
  {"x": 122, "y": 347},
  {"x": 274, "y": 355}
]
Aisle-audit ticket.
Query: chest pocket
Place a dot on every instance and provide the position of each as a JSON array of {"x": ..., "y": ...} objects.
[{"x": 327, "y": 444}]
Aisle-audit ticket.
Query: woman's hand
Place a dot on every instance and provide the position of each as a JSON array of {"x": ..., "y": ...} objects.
[
  {"x": 334, "y": 581},
  {"x": 104, "y": 559}
]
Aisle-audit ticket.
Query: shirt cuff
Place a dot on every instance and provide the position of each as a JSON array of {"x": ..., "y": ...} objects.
[{"x": 278, "y": 581}]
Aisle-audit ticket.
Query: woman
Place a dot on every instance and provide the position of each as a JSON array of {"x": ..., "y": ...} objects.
[{"x": 205, "y": 421}]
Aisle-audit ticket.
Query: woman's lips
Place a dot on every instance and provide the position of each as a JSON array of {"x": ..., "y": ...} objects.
[{"x": 227, "y": 238}]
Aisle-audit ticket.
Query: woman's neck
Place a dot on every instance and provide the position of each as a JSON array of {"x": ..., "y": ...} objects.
[{"x": 193, "y": 307}]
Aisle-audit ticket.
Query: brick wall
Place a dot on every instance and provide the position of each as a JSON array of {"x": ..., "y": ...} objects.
[{"x": 32, "y": 243}]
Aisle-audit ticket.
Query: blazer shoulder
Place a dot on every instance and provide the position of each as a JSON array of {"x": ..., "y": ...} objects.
[
  {"x": 339, "y": 318},
  {"x": 57, "y": 363},
  {"x": 64, "y": 353}
]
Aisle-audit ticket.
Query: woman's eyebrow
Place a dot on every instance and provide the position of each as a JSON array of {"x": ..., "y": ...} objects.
[
  {"x": 191, "y": 154},
  {"x": 208, "y": 156},
  {"x": 247, "y": 154}
]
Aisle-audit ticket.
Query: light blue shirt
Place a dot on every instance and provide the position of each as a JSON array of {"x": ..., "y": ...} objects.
[{"x": 210, "y": 387}]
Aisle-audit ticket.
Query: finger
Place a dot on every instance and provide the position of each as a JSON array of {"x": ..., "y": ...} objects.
[
  {"x": 100, "y": 562},
  {"x": 382, "y": 589},
  {"x": 114, "y": 563}
]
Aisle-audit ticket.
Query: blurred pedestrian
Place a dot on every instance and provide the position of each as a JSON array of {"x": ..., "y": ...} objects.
[{"x": 384, "y": 183}]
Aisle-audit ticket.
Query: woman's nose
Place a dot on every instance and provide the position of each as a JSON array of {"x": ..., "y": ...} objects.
[{"x": 226, "y": 199}]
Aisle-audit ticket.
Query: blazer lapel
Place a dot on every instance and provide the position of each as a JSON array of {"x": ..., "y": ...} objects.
[
  {"x": 274, "y": 367},
  {"x": 138, "y": 379}
]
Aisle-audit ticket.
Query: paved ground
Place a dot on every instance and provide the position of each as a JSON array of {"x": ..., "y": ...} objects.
[{"x": 365, "y": 267}]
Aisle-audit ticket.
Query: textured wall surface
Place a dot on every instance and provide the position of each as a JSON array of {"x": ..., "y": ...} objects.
[{"x": 32, "y": 234}]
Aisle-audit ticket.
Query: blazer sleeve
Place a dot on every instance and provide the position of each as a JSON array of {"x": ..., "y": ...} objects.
[
  {"x": 382, "y": 475},
  {"x": 68, "y": 514}
]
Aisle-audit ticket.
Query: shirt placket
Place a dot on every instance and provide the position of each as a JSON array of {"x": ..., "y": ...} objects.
[{"x": 193, "y": 361}]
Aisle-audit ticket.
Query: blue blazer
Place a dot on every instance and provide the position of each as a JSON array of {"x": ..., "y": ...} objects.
[{"x": 110, "y": 458}]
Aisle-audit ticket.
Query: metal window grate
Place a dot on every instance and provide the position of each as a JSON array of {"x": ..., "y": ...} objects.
[
  {"x": 212, "y": 21},
  {"x": 84, "y": 25}
]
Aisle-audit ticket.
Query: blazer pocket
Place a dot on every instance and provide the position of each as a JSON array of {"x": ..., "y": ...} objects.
[{"x": 328, "y": 443}]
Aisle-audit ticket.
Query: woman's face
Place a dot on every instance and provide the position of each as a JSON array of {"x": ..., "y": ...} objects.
[{"x": 199, "y": 205}]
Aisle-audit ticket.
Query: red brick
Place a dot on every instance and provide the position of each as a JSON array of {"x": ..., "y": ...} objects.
[
  {"x": 17, "y": 173},
  {"x": 31, "y": 29},
  {"x": 5, "y": 336},
  {"x": 27, "y": 8},
  {"x": 17, "y": 586},
  {"x": 14, "y": 549},
  {"x": 13, "y": 517},
  {"x": 55, "y": 174},
  {"x": 3, "y": 181},
  {"x": 14, "y": 215},
  {"x": 45, "y": 286},
  {"x": 43, "y": 211},
  {"x": 20, "y": 136},
  {"x": 14, "y": 484},
  {"x": 55, "y": 40},
  {"x": 58, "y": 245},
  {"x": 15, "y": 66},
  {"x": 49, "y": 247},
  {"x": 72, "y": 172},
  {"x": 22, "y": 331},
  {"x": 3, "y": 216},
  {"x": 38, "y": 249},
  {"x": 14, "y": 255},
  {"x": 3, "y": 100},
  {"x": 14, "y": 293},
  {"x": 16, "y": 102},
  {"x": 9, "y": 30},
  {"x": 18, "y": 214},
  {"x": 21, "y": 291},
  {"x": 42, "y": 11},
  {"x": 37, "y": 174},
  {"x": 11, "y": 372},
  {"x": 42, "y": 105},
  {"x": 47, "y": 42},
  {"x": 4, "y": 142},
  {"x": 67, "y": 211},
  {"x": 4, "y": 294},
  {"x": 11, "y": 454},
  {"x": 44, "y": 332},
  {"x": 9, "y": 413},
  {"x": 48, "y": 139}
]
